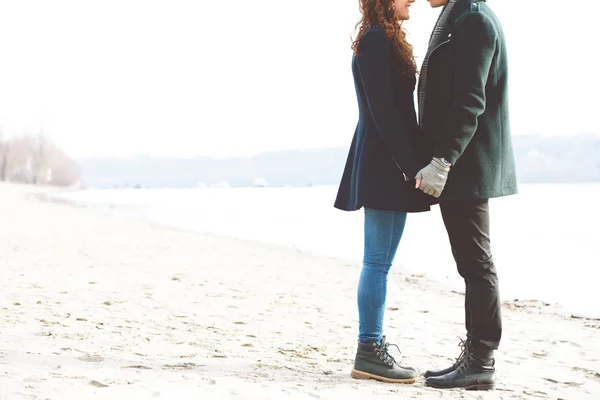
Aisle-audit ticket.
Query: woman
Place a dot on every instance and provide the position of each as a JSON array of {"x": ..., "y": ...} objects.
[{"x": 386, "y": 153}]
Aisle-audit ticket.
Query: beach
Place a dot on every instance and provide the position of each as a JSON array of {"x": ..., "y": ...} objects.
[{"x": 99, "y": 306}]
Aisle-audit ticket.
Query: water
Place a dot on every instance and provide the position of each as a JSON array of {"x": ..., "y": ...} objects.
[{"x": 544, "y": 240}]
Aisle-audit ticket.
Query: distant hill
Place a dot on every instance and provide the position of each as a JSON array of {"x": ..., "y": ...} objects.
[
  {"x": 558, "y": 159},
  {"x": 539, "y": 159}
]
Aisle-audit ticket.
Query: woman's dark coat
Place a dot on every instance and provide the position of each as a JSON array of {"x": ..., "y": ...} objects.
[{"x": 387, "y": 149}]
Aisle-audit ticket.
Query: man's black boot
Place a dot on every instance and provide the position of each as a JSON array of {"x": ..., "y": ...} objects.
[
  {"x": 464, "y": 345},
  {"x": 373, "y": 361},
  {"x": 476, "y": 372}
]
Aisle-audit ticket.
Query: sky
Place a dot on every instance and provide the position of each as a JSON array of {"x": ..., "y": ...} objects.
[{"x": 217, "y": 78}]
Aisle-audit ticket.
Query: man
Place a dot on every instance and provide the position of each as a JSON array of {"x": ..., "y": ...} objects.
[{"x": 463, "y": 111}]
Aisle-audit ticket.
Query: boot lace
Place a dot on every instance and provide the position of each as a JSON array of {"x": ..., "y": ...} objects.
[
  {"x": 464, "y": 346},
  {"x": 464, "y": 365},
  {"x": 383, "y": 351}
]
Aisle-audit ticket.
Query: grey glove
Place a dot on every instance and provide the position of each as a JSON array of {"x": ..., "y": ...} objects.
[{"x": 433, "y": 177}]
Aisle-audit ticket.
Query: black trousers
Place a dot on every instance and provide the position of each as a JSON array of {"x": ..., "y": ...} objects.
[{"x": 468, "y": 225}]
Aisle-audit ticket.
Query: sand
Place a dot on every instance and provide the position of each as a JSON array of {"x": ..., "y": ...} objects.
[{"x": 96, "y": 306}]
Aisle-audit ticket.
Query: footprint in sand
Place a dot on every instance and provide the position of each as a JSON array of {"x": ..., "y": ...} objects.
[
  {"x": 588, "y": 372},
  {"x": 136, "y": 367},
  {"x": 91, "y": 358},
  {"x": 181, "y": 366}
]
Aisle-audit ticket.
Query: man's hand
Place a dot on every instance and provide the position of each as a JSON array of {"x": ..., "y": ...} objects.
[{"x": 432, "y": 179}]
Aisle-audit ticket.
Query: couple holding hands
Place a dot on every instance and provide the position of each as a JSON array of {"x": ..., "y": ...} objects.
[{"x": 457, "y": 153}]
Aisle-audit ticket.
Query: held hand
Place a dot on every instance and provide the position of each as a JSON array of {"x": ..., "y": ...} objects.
[{"x": 432, "y": 179}]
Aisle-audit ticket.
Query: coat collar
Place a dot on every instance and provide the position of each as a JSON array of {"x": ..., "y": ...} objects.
[{"x": 452, "y": 11}]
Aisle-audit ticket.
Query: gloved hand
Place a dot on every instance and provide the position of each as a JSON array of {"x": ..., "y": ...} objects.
[{"x": 433, "y": 177}]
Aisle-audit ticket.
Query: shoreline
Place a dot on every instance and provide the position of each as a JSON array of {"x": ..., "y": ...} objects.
[
  {"x": 103, "y": 306},
  {"x": 448, "y": 279}
]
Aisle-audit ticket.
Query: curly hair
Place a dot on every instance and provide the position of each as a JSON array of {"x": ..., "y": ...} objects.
[{"x": 381, "y": 13}]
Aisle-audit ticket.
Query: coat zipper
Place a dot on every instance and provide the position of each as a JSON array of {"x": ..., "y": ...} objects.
[
  {"x": 439, "y": 45},
  {"x": 430, "y": 54},
  {"x": 435, "y": 48},
  {"x": 403, "y": 173}
]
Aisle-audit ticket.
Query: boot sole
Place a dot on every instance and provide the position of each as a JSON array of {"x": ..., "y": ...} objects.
[
  {"x": 481, "y": 387},
  {"x": 365, "y": 375}
]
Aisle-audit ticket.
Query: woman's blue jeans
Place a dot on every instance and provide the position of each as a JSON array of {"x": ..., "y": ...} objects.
[{"x": 383, "y": 231}]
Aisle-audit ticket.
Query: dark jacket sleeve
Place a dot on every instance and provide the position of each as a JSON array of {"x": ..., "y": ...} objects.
[
  {"x": 374, "y": 64},
  {"x": 474, "y": 45}
]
